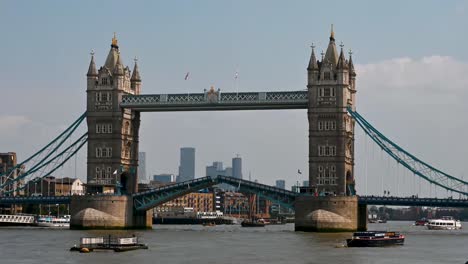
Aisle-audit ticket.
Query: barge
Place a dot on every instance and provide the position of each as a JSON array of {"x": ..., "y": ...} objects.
[
  {"x": 117, "y": 244},
  {"x": 375, "y": 239}
]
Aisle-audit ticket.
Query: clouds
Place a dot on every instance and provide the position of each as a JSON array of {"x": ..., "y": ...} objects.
[
  {"x": 428, "y": 74},
  {"x": 9, "y": 124},
  {"x": 421, "y": 105}
]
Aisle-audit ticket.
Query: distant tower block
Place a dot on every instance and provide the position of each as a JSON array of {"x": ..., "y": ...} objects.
[
  {"x": 112, "y": 131},
  {"x": 187, "y": 164},
  {"x": 237, "y": 167}
]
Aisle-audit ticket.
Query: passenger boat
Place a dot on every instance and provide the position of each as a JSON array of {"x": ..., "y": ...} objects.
[
  {"x": 117, "y": 244},
  {"x": 445, "y": 223},
  {"x": 375, "y": 239},
  {"x": 51, "y": 221}
]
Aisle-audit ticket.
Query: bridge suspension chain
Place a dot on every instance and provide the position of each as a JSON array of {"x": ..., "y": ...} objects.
[
  {"x": 44, "y": 152},
  {"x": 45, "y": 169},
  {"x": 417, "y": 166},
  {"x": 40, "y": 160}
]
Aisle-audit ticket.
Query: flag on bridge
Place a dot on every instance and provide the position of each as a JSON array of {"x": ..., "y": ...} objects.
[
  {"x": 299, "y": 171},
  {"x": 187, "y": 75}
]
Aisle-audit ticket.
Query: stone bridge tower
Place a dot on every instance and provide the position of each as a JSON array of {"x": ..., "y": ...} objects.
[
  {"x": 112, "y": 131},
  {"x": 331, "y": 86},
  {"x": 332, "y": 206}
]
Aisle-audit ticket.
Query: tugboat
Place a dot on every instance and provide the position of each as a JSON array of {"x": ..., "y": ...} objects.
[{"x": 375, "y": 239}]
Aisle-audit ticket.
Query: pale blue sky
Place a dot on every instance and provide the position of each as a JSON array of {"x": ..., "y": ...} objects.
[{"x": 44, "y": 55}]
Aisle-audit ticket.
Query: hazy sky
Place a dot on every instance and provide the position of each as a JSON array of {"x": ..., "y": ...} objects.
[{"x": 411, "y": 59}]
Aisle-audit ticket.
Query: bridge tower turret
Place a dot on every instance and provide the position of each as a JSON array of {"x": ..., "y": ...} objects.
[
  {"x": 112, "y": 130},
  {"x": 331, "y": 86}
]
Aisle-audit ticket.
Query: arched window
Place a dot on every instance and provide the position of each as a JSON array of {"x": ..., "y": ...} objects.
[{"x": 127, "y": 128}]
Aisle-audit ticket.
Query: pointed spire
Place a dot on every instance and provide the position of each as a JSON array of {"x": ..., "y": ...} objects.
[
  {"x": 114, "y": 42},
  {"x": 92, "y": 66},
  {"x": 136, "y": 74},
  {"x": 341, "y": 60},
  {"x": 351, "y": 65},
  {"x": 118, "y": 69},
  {"x": 332, "y": 34},
  {"x": 111, "y": 59},
  {"x": 331, "y": 56},
  {"x": 313, "y": 60}
]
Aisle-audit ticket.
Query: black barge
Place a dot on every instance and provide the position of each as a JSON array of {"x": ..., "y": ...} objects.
[{"x": 375, "y": 239}]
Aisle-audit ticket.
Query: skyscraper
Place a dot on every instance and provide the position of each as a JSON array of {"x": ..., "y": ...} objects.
[
  {"x": 187, "y": 165},
  {"x": 237, "y": 167},
  {"x": 218, "y": 169},
  {"x": 281, "y": 184},
  {"x": 142, "y": 167}
]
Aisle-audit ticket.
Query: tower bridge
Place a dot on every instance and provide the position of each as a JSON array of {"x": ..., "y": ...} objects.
[{"x": 114, "y": 104}]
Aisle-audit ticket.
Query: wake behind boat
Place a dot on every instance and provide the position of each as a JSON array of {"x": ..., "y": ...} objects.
[{"x": 375, "y": 239}]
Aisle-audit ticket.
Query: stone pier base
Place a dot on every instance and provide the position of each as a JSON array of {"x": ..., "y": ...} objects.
[
  {"x": 329, "y": 214},
  {"x": 107, "y": 212}
]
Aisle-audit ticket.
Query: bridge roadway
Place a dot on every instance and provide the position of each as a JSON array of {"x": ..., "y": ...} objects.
[{"x": 148, "y": 199}]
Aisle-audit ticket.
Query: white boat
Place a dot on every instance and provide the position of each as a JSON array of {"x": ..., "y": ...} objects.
[
  {"x": 444, "y": 223},
  {"x": 51, "y": 221}
]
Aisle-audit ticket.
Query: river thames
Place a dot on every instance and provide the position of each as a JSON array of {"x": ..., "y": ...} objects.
[{"x": 234, "y": 244}]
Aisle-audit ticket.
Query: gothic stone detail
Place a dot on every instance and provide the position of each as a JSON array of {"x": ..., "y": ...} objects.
[
  {"x": 112, "y": 130},
  {"x": 331, "y": 89}
]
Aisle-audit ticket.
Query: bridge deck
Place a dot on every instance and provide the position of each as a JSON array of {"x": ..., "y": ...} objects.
[{"x": 215, "y": 100}]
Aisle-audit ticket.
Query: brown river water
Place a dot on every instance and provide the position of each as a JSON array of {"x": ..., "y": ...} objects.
[{"x": 234, "y": 244}]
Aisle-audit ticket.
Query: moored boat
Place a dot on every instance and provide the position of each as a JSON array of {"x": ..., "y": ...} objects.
[
  {"x": 51, "y": 221},
  {"x": 375, "y": 239},
  {"x": 252, "y": 223},
  {"x": 421, "y": 222},
  {"x": 444, "y": 223}
]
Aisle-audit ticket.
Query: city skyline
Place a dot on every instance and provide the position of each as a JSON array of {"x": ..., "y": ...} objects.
[{"x": 394, "y": 91}]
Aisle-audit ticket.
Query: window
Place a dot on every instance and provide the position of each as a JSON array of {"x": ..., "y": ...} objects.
[
  {"x": 327, "y": 76},
  {"x": 327, "y": 125},
  {"x": 333, "y": 125},
  {"x": 104, "y": 81},
  {"x": 98, "y": 152},
  {"x": 98, "y": 172},
  {"x": 127, "y": 128},
  {"x": 98, "y": 97},
  {"x": 326, "y": 175},
  {"x": 326, "y": 92},
  {"x": 98, "y": 128},
  {"x": 103, "y": 152},
  {"x": 103, "y": 128},
  {"x": 320, "y": 125},
  {"x": 108, "y": 172},
  {"x": 327, "y": 151},
  {"x": 109, "y": 128}
]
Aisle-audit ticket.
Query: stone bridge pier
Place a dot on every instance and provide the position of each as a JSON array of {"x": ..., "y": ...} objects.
[{"x": 107, "y": 212}]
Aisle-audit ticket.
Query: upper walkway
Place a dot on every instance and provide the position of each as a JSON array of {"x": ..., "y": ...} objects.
[{"x": 215, "y": 100}]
